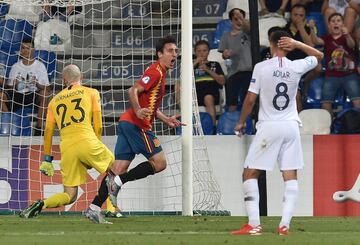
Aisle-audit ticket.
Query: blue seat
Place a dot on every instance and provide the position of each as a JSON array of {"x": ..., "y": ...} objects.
[
  {"x": 347, "y": 124},
  {"x": 12, "y": 32},
  {"x": 6, "y": 62},
  {"x": 319, "y": 20},
  {"x": 4, "y": 9},
  {"x": 14, "y": 124},
  {"x": 5, "y": 123},
  {"x": 227, "y": 122},
  {"x": 49, "y": 60},
  {"x": 21, "y": 125},
  {"x": 206, "y": 123},
  {"x": 314, "y": 94},
  {"x": 221, "y": 27}
]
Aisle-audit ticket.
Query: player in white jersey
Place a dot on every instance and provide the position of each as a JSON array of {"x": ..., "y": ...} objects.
[{"x": 278, "y": 138}]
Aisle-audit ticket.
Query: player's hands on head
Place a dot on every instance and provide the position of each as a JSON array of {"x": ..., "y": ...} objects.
[
  {"x": 46, "y": 166},
  {"x": 240, "y": 129},
  {"x": 142, "y": 113},
  {"x": 173, "y": 122},
  {"x": 287, "y": 43}
]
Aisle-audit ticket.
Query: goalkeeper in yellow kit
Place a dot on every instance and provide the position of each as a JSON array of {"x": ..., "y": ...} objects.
[{"x": 76, "y": 111}]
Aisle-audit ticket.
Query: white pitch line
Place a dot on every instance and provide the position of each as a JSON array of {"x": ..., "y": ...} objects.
[
  {"x": 67, "y": 233},
  {"x": 152, "y": 233}
]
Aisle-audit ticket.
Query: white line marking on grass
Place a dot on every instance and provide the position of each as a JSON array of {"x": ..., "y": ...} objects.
[{"x": 152, "y": 233}]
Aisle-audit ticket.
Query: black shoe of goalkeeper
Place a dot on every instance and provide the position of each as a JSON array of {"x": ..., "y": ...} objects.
[{"x": 33, "y": 210}]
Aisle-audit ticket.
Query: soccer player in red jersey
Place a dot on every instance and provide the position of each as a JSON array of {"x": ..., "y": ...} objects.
[{"x": 135, "y": 135}]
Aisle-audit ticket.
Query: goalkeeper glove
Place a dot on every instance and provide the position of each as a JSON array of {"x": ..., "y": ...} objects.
[{"x": 46, "y": 166}]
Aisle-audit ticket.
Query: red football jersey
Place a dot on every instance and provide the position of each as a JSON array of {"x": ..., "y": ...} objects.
[{"x": 153, "y": 81}]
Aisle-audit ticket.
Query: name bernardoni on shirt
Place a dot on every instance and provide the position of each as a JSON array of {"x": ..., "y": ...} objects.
[{"x": 70, "y": 94}]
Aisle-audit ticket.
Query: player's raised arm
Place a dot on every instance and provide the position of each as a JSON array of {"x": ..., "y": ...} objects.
[{"x": 289, "y": 44}]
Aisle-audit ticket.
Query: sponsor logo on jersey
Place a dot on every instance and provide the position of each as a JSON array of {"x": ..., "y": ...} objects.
[
  {"x": 145, "y": 79},
  {"x": 253, "y": 80}
]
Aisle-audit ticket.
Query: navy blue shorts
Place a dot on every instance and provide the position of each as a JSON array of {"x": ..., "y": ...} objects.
[{"x": 133, "y": 140}]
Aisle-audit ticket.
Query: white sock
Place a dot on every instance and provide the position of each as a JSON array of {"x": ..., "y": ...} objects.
[
  {"x": 95, "y": 208},
  {"x": 290, "y": 197},
  {"x": 251, "y": 198},
  {"x": 118, "y": 180}
]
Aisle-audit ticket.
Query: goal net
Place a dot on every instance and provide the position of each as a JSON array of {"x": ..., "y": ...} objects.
[{"x": 112, "y": 43}]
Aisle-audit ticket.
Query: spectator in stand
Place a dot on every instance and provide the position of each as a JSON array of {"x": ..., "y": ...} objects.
[
  {"x": 235, "y": 47},
  {"x": 28, "y": 83},
  {"x": 265, "y": 10},
  {"x": 342, "y": 7},
  {"x": 355, "y": 4},
  {"x": 340, "y": 57},
  {"x": 209, "y": 78},
  {"x": 299, "y": 31}
]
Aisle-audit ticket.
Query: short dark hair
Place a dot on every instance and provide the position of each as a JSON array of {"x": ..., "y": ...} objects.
[
  {"x": 277, "y": 35},
  {"x": 231, "y": 13},
  {"x": 28, "y": 40},
  {"x": 335, "y": 14},
  {"x": 161, "y": 43},
  {"x": 202, "y": 42},
  {"x": 298, "y": 5},
  {"x": 274, "y": 29}
]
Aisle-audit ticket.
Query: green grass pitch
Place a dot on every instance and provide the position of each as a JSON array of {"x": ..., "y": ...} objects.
[{"x": 68, "y": 230}]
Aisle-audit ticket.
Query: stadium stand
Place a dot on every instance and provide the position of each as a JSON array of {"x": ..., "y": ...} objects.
[
  {"x": 15, "y": 124},
  {"x": 21, "y": 125},
  {"x": 4, "y": 9},
  {"x": 265, "y": 24},
  {"x": 49, "y": 60},
  {"x": 319, "y": 20},
  {"x": 227, "y": 122},
  {"x": 312, "y": 101},
  {"x": 6, "y": 61},
  {"x": 5, "y": 123},
  {"x": 53, "y": 35},
  {"x": 18, "y": 10},
  {"x": 206, "y": 125},
  {"x": 221, "y": 27},
  {"x": 12, "y": 32},
  {"x": 244, "y": 5}
]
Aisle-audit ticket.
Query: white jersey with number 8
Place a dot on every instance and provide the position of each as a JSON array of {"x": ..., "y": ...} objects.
[{"x": 276, "y": 81}]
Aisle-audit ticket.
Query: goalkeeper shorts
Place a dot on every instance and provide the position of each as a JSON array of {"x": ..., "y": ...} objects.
[{"x": 77, "y": 159}]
